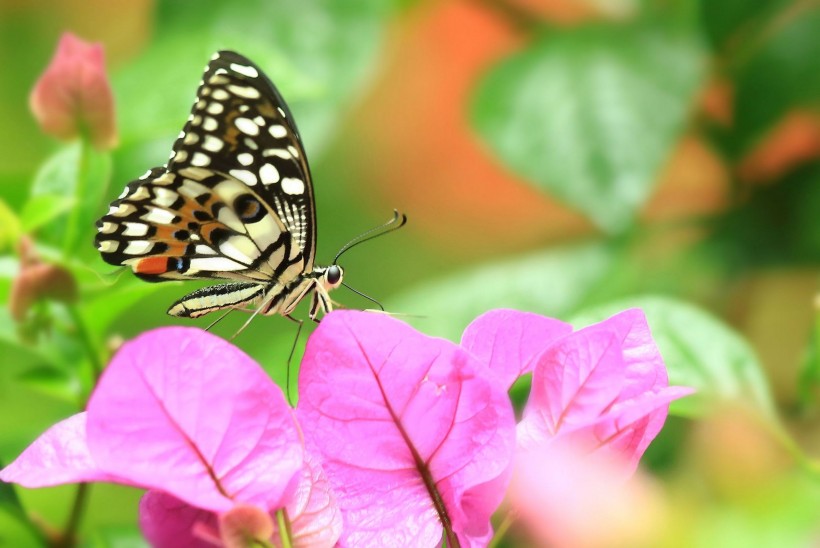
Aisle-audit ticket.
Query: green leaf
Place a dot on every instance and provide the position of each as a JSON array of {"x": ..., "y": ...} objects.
[
  {"x": 42, "y": 209},
  {"x": 10, "y": 227},
  {"x": 79, "y": 175},
  {"x": 752, "y": 518},
  {"x": 118, "y": 537},
  {"x": 315, "y": 76},
  {"x": 727, "y": 21},
  {"x": 15, "y": 528},
  {"x": 775, "y": 225},
  {"x": 107, "y": 305},
  {"x": 14, "y": 350},
  {"x": 554, "y": 283},
  {"x": 9, "y": 499},
  {"x": 52, "y": 382},
  {"x": 590, "y": 115},
  {"x": 809, "y": 382},
  {"x": 784, "y": 74},
  {"x": 700, "y": 352},
  {"x": 9, "y": 267}
]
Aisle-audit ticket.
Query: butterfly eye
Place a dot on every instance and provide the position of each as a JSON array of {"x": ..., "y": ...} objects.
[{"x": 333, "y": 274}]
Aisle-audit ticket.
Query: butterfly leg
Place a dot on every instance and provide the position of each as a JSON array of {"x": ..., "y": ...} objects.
[
  {"x": 290, "y": 356},
  {"x": 262, "y": 306},
  {"x": 219, "y": 319},
  {"x": 320, "y": 302},
  {"x": 225, "y": 315}
]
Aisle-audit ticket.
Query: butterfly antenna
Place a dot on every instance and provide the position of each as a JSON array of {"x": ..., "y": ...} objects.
[
  {"x": 398, "y": 221},
  {"x": 371, "y": 299}
]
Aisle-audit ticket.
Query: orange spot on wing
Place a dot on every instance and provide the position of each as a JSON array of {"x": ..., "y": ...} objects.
[{"x": 152, "y": 265}]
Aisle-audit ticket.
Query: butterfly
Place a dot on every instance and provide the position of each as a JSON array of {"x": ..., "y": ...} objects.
[{"x": 234, "y": 202}]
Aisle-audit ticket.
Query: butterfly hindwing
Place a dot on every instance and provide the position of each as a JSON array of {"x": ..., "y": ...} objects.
[
  {"x": 236, "y": 199},
  {"x": 196, "y": 224}
]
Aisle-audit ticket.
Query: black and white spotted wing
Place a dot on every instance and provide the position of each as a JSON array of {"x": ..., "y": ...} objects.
[
  {"x": 235, "y": 200},
  {"x": 241, "y": 126}
]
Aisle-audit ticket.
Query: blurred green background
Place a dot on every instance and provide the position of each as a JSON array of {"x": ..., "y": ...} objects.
[{"x": 567, "y": 157}]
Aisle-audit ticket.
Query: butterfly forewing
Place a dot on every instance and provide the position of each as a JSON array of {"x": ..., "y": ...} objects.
[
  {"x": 236, "y": 199},
  {"x": 241, "y": 126}
]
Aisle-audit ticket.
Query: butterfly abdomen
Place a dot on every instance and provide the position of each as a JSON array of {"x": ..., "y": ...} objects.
[{"x": 218, "y": 297}]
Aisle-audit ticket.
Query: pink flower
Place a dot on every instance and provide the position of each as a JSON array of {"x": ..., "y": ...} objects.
[
  {"x": 604, "y": 387},
  {"x": 564, "y": 498},
  {"x": 415, "y": 434},
  {"x": 406, "y": 437},
  {"x": 194, "y": 420},
  {"x": 600, "y": 394},
  {"x": 73, "y": 95},
  {"x": 315, "y": 521},
  {"x": 508, "y": 341}
]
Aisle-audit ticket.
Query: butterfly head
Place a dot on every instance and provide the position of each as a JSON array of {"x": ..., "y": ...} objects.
[{"x": 332, "y": 277}]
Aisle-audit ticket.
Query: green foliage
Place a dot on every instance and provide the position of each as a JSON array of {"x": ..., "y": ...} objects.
[
  {"x": 78, "y": 175},
  {"x": 15, "y": 528},
  {"x": 118, "y": 537},
  {"x": 725, "y": 22},
  {"x": 776, "y": 515},
  {"x": 51, "y": 381},
  {"x": 8, "y": 269},
  {"x": 810, "y": 372},
  {"x": 554, "y": 283},
  {"x": 775, "y": 226},
  {"x": 783, "y": 73},
  {"x": 316, "y": 75},
  {"x": 43, "y": 209},
  {"x": 590, "y": 115},
  {"x": 18, "y": 351},
  {"x": 10, "y": 227},
  {"x": 97, "y": 310}
]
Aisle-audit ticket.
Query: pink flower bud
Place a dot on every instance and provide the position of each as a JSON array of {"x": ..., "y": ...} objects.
[
  {"x": 73, "y": 95},
  {"x": 245, "y": 525},
  {"x": 37, "y": 280}
]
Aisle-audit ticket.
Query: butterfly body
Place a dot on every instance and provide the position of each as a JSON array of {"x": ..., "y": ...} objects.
[
  {"x": 273, "y": 298},
  {"x": 235, "y": 202}
]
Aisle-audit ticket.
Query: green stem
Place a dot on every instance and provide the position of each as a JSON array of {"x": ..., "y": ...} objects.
[
  {"x": 87, "y": 342},
  {"x": 502, "y": 529},
  {"x": 284, "y": 528},
  {"x": 809, "y": 465},
  {"x": 70, "y": 235},
  {"x": 67, "y": 538}
]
